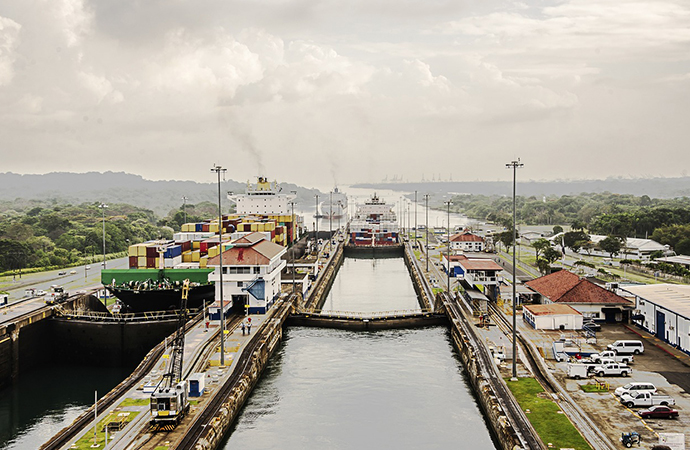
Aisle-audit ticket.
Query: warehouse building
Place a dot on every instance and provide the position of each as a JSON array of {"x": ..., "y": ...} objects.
[{"x": 664, "y": 310}]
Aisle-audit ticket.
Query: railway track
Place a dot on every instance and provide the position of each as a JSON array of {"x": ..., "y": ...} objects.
[
  {"x": 62, "y": 438},
  {"x": 198, "y": 428},
  {"x": 529, "y": 438},
  {"x": 581, "y": 419}
]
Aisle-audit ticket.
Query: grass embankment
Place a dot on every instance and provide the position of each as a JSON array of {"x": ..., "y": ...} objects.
[
  {"x": 546, "y": 417},
  {"x": 86, "y": 441}
]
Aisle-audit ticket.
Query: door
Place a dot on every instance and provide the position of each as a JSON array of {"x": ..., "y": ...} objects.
[{"x": 661, "y": 325}]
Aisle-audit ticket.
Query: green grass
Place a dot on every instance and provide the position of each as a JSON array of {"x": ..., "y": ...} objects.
[
  {"x": 551, "y": 426},
  {"x": 86, "y": 441},
  {"x": 134, "y": 402},
  {"x": 593, "y": 388}
]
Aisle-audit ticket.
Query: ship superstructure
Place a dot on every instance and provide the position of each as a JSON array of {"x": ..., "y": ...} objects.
[
  {"x": 374, "y": 224},
  {"x": 335, "y": 205}
]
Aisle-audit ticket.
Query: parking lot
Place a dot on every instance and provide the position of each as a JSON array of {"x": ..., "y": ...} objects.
[{"x": 670, "y": 374}]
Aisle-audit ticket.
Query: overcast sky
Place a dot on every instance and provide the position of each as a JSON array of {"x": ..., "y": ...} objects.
[{"x": 338, "y": 91}]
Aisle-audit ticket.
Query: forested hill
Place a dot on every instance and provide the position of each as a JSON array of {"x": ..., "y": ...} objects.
[
  {"x": 119, "y": 187},
  {"x": 652, "y": 187}
]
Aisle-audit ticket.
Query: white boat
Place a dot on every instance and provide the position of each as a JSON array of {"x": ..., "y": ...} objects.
[{"x": 335, "y": 206}]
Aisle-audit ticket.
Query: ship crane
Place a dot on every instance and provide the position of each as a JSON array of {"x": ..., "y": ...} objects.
[{"x": 170, "y": 400}]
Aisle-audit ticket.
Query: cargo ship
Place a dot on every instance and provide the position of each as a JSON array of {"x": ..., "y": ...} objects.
[
  {"x": 335, "y": 207},
  {"x": 374, "y": 225},
  {"x": 145, "y": 290}
]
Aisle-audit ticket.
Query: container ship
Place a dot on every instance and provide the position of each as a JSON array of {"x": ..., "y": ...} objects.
[
  {"x": 145, "y": 290},
  {"x": 335, "y": 207},
  {"x": 374, "y": 224},
  {"x": 158, "y": 268}
]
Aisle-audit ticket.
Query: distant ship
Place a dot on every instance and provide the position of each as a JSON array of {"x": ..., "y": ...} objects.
[
  {"x": 374, "y": 224},
  {"x": 335, "y": 206}
]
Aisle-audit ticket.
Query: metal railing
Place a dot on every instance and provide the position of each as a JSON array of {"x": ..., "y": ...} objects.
[
  {"x": 373, "y": 314},
  {"x": 120, "y": 317}
]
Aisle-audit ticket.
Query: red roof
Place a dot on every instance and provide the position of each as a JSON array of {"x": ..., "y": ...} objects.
[
  {"x": 566, "y": 287},
  {"x": 259, "y": 254},
  {"x": 466, "y": 237}
]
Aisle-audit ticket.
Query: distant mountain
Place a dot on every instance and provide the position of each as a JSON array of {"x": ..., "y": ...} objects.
[
  {"x": 653, "y": 187},
  {"x": 120, "y": 187}
]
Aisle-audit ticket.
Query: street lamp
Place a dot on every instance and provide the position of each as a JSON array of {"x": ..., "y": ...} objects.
[
  {"x": 292, "y": 203},
  {"x": 103, "y": 206},
  {"x": 448, "y": 203},
  {"x": 316, "y": 228},
  {"x": 415, "y": 218},
  {"x": 219, "y": 170},
  {"x": 330, "y": 219},
  {"x": 184, "y": 208},
  {"x": 426, "y": 251},
  {"x": 514, "y": 165}
]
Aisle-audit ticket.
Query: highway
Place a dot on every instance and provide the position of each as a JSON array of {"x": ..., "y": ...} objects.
[{"x": 83, "y": 279}]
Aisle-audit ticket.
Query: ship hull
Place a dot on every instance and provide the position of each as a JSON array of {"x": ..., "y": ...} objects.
[{"x": 138, "y": 301}]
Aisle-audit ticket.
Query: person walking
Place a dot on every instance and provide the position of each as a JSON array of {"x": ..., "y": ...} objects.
[
  {"x": 249, "y": 325},
  {"x": 242, "y": 328}
]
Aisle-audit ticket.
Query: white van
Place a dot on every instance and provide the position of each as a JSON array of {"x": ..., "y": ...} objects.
[
  {"x": 635, "y": 388},
  {"x": 627, "y": 347}
]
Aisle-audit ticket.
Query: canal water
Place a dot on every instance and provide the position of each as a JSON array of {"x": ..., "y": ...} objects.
[
  {"x": 46, "y": 400},
  {"x": 364, "y": 390}
]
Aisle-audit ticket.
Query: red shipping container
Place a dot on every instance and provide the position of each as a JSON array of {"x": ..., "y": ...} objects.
[
  {"x": 151, "y": 252},
  {"x": 205, "y": 227},
  {"x": 150, "y": 263},
  {"x": 133, "y": 261}
]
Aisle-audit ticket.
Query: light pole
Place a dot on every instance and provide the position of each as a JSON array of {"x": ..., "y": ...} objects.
[
  {"x": 426, "y": 251},
  {"x": 448, "y": 203},
  {"x": 292, "y": 203},
  {"x": 103, "y": 206},
  {"x": 219, "y": 170},
  {"x": 330, "y": 220},
  {"x": 514, "y": 165},
  {"x": 184, "y": 208},
  {"x": 316, "y": 228},
  {"x": 415, "y": 218}
]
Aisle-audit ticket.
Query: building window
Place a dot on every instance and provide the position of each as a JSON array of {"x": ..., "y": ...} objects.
[
  {"x": 257, "y": 269},
  {"x": 240, "y": 284}
]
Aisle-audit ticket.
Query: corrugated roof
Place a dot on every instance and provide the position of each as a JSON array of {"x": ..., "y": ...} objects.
[
  {"x": 475, "y": 263},
  {"x": 554, "y": 308},
  {"x": 566, "y": 287},
  {"x": 674, "y": 297}
]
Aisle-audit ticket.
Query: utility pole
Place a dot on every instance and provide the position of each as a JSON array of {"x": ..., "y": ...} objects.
[
  {"x": 184, "y": 208},
  {"x": 292, "y": 203},
  {"x": 426, "y": 251},
  {"x": 415, "y": 218},
  {"x": 316, "y": 219},
  {"x": 514, "y": 165},
  {"x": 330, "y": 220},
  {"x": 103, "y": 206},
  {"x": 219, "y": 170},
  {"x": 448, "y": 203}
]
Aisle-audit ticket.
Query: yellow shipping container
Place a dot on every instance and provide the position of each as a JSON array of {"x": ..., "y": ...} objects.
[
  {"x": 141, "y": 261},
  {"x": 254, "y": 227},
  {"x": 213, "y": 251},
  {"x": 196, "y": 245},
  {"x": 132, "y": 250},
  {"x": 196, "y": 255},
  {"x": 270, "y": 226},
  {"x": 187, "y": 256},
  {"x": 203, "y": 261}
]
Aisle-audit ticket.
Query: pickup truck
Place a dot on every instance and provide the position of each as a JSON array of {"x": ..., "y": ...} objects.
[
  {"x": 646, "y": 399},
  {"x": 620, "y": 370},
  {"x": 610, "y": 354}
]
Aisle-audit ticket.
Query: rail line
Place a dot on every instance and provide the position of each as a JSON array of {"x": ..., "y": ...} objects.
[
  {"x": 198, "y": 428},
  {"x": 512, "y": 409},
  {"x": 583, "y": 422},
  {"x": 66, "y": 434}
]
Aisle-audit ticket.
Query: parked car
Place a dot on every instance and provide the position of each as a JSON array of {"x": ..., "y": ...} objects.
[
  {"x": 591, "y": 325},
  {"x": 62, "y": 273},
  {"x": 658, "y": 412},
  {"x": 634, "y": 388},
  {"x": 610, "y": 354},
  {"x": 646, "y": 399},
  {"x": 627, "y": 347},
  {"x": 72, "y": 272},
  {"x": 620, "y": 370}
]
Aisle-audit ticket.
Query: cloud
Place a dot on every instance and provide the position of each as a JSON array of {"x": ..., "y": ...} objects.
[{"x": 9, "y": 37}]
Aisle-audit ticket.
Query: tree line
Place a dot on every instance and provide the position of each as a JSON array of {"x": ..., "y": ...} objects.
[{"x": 45, "y": 234}]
